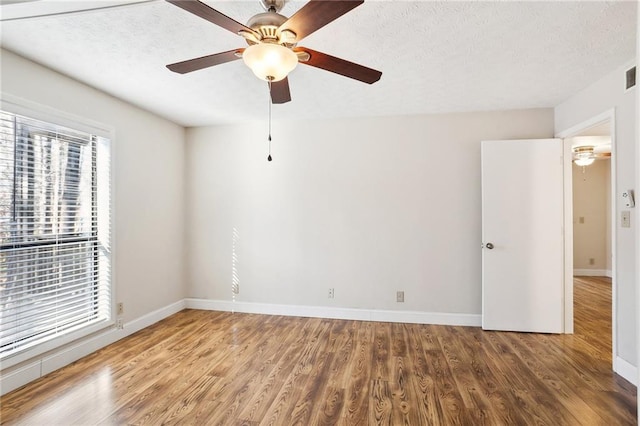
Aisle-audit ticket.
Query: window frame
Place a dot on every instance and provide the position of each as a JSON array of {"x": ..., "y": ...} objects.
[{"x": 19, "y": 106}]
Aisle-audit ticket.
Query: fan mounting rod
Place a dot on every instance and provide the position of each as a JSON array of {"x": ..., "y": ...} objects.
[{"x": 272, "y": 5}]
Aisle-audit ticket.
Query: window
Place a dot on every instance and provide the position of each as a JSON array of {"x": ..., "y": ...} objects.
[{"x": 54, "y": 234}]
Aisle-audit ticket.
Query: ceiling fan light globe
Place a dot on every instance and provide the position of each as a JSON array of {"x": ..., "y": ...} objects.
[
  {"x": 584, "y": 161},
  {"x": 270, "y": 61}
]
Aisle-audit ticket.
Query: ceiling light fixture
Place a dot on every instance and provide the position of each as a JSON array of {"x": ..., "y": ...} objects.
[
  {"x": 270, "y": 61},
  {"x": 583, "y": 155},
  {"x": 583, "y": 161}
]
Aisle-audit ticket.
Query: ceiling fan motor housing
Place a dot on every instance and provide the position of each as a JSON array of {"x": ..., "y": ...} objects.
[{"x": 267, "y": 24}]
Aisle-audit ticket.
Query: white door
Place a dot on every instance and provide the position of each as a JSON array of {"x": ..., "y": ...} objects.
[{"x": 522, "y": 235}]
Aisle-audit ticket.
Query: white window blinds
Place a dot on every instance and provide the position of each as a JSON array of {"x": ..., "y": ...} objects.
[{"x": 54, "y": 232}]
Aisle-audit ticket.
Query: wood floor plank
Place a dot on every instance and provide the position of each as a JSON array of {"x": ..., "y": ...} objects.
[
  {"x": 381, "y": 405},
  {"x": 461, "y": 363},
  {"x": 449, "y": 397},
  {"x": 405, "y": 410},
  {"x": 526, "y": 386},
  {"x": 564, "y": 395},
  {"x": 357, "y": 384},
  {"x": 221, "y": 368},
  {"x": 266, "y": 391},
  {"x": 495, "y": 405},
  {"x": 311, "y": 391},
  {"x": 285, "y": 402},
  {"x": 426, "y": 396}
]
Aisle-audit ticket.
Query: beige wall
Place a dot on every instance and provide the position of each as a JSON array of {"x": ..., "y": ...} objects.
[
  {"x": 591, "y": 219},
  {"x": 366, "y": 206}
]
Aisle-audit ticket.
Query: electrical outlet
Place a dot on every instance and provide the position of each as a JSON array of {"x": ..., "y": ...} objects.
[
  {"x": 120, "y": 308},
  {"x": 119, "y": 324},
  {"x": 400, "y": 296},
  {"x": 592, "y": 261},
  {"x": 331, "y": 293}
]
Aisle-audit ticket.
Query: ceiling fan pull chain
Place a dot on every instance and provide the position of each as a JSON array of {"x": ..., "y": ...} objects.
[{"x": 269, "y": 157}]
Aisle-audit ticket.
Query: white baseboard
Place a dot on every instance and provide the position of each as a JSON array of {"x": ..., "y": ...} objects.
[
  {"x": 337, "y": 313},
  {"x": 51, "y": 362},
  {"x": 593, "y": 272},
  {"x": 626, "y": 370},
  {"x": 19, "y": 377}
]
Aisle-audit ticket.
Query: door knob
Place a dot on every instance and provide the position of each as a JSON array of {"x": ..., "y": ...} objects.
[{"x": 489, "y": 246}]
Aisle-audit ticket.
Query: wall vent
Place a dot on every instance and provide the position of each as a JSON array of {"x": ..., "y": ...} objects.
[{"x": 631, "y": 78}]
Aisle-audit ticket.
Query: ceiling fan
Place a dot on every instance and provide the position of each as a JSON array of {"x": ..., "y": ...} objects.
[
  {"x": 273, "y": 39},
  {"x": 586, "y": 154}
]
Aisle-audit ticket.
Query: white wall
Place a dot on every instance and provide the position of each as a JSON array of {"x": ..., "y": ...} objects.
[
  {"x": 601, "y": 96},
  {"x": 365, "y": 206},
  {"x": 148, "y": 165},
  {"x": 591, "y": 221}
]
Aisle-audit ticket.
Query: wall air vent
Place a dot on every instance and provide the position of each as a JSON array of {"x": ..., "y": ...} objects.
[{"x": 631, "y": 78}]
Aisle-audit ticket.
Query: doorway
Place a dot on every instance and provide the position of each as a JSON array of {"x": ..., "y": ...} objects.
[
  {"x": 590, "y": 218},
  {"x": 592, "y": 230}
]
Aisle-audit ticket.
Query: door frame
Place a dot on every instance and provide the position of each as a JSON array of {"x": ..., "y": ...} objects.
[{"x": 610, "y": 116}]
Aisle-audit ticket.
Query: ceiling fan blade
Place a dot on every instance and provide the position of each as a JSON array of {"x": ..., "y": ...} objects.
[
  {"x": 205, "y": 61},
  {"x": 316, "y": 14},
  {"x": 602, "y": 155},
  {"x": 340, "y": 66},
  {"x": 210, "y": 14},
  {"x": 280, "y": 93}
]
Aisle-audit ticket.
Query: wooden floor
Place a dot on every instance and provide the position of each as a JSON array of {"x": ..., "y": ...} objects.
[{"x": 209, "y": 368}]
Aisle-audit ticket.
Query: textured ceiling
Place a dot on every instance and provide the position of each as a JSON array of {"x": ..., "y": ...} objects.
[{"x": 437, "y": 56}]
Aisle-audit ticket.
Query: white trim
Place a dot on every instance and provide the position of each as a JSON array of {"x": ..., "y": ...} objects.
[
  {"x": 46, "y": 364},
  {"x": 567, "y": 235},
  {"x": 19, "y": 377},
  {"x": 592, "y": 122},
  {"x": 29, "y": 10},
  {"x": 626, "y": 370},
  {"x": 592, "y": 272},
  {"x": 608, "y": 115},
  {"x": 21, "y": 106},
  {"x": 412, "y": 317},
  {"x": 637, "y": 286},
  {"x": 614, "y": 234},
  {"x": 52, "y": 345}
]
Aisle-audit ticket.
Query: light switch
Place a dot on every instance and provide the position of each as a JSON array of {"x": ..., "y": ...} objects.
[{"x": 626, "y": 219}]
